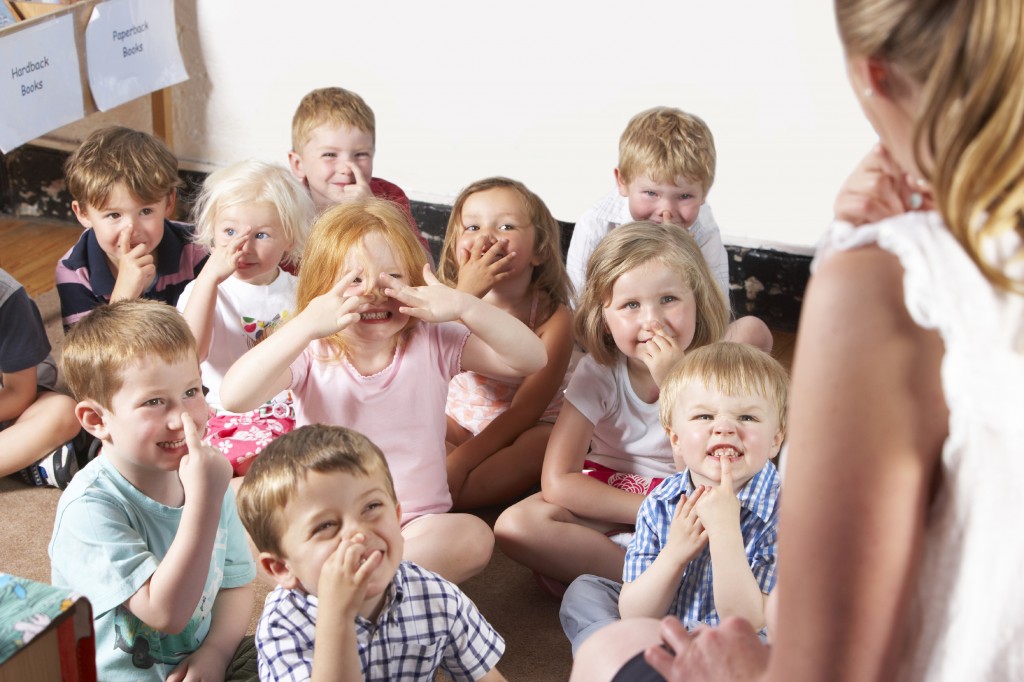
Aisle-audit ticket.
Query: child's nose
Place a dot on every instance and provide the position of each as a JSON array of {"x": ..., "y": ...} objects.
[{"x": 724, "y": 425}]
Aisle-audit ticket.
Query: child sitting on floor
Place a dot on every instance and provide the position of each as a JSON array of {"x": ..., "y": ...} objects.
[
  {"x": 148, "y": 530},
  {"x": 320, "y": 505},
  {"x": 705, "y": 539}
]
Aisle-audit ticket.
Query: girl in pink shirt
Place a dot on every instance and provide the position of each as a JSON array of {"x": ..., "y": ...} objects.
[{"x": 356, "y": 354}]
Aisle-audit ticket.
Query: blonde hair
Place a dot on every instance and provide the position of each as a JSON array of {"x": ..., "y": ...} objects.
[
  {"x": 733, "y": 369},
  {"x": 629, "y": 247},
  {"x": 112, "y": 337},
  {"x": 332, "y": 106},
  {"x": 549, "y": 277},
  {"x": 116, "y": 154},
  {"x": 665, "y": 143},
  {"x": 275, "y": 475},
  {"x": 968, "y": 138},
  {"x": 248, "y": 182},
  {"x": 339, "y": 232}
]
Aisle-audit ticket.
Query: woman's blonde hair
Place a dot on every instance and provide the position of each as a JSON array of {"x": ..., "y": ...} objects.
[
  {"x": 339, "y": 233},
  {"x": 549, "y": 277},
  {"x": 968, "y": 58},
  {"x": 629, "y": 247},
  {"x": 249, "y": 182}
]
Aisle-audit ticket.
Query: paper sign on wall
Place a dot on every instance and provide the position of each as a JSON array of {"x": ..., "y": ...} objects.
[
  {"x": 40, "y": 83},
  {"x": 132, "y": 50}
]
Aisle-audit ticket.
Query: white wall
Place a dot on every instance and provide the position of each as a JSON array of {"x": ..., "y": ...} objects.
[{"x": 538, "y": 91}]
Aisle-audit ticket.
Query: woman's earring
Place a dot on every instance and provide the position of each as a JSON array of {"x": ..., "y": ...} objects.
[{"x": 868, "y": 92}]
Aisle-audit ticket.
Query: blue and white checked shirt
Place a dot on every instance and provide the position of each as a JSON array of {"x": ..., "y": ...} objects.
[
  {"x": 426, "y": 623},
  {"x": 759, "y": 511}
]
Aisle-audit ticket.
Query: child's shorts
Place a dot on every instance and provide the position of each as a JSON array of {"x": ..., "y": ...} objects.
[
  {"x": 242, "y": 436},
  {"x": 631, "y": 483}
]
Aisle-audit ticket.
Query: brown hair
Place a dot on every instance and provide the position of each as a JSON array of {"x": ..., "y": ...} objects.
[
  {"x": 665, "y": 143},
  {"x": 108, "y": 156},
  {"x": 332, "y": 106},
  {"x": 275, "y": 475}
]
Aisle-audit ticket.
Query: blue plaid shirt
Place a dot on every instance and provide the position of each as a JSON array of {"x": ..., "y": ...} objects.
[
  {"x": 759, "y": 510},
  {"x": 426, "y": 623}
]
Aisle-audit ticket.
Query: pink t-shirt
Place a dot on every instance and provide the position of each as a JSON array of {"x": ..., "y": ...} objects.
[{"x": 401, "y": 408}]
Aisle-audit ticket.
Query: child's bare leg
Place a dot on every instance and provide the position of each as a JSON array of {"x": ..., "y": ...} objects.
[
  {"x": 608, "y": 649},
  {"x": 43, "y": 427},
  {"x": 457, "y": 546},
  {"x": 506, "y": 474},
  {"x": 554, "y": 541},
  {"x": 751, "y": 331}
]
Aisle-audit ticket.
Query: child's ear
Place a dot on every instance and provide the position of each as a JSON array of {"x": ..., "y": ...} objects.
[
  {"x": 92, "y": 417},
  {"x": 80, "y": 213},
  {"x": 621, "y": 184},
  {"x": 279, "y": 571},
  {"x": 398, "y": 511},
  {"x": 295, "y": 165},
  {"x": 777, "y": 441},
  {"x": 171, "y": 199}
]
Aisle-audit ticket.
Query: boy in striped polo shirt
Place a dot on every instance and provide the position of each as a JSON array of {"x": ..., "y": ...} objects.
[{"x": 724, "y": 408}]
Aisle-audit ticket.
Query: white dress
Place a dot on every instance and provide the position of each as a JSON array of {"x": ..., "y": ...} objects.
[{"x": 967, "y": 619}]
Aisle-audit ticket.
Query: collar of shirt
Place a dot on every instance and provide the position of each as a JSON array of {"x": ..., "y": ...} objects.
[{"x": 759, "y": 495}]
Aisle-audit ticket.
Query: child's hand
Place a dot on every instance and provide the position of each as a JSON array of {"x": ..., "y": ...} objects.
[
  {"x": 333, "y": 311},
  {"x": 223, "y": 261},
  {"x": 660, "y": 354},
  {"x": 434, "y": 302},
  {"x": 135, "y": 268},
  {"x": 877, "y": 189},
  {"x": 686, "y": 535},
  {"x": 344, "y": 576},
  {"x": 718, "y": 507},
  {"x": 203, "y": 665},
  {"x": 204, "y": 472},
  {"x": 486, "y": 264},
  {"x": 360, "y": 189}
]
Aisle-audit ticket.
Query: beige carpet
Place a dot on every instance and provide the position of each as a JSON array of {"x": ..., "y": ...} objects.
[{"x": 535, "y": 647}]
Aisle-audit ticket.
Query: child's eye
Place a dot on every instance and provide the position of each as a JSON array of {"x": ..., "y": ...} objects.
[
  {"x": 323, "y": 526},
  {"x": 471, "y": 228},
  {"x": 328, "y": 155},
  {"x": 357, "y": 280},
  {"x": 193, "y": 392},
  {"x": 685, "y": 197},
  {"x": 113, "y": 216},
  {"x": 631, "y": 305},
  {"x": 703, "y": 417},
  {"x": 395, "y": 275},
  {"x": 262, "y": 235},
  {"x": 229, "y": 231},
  {"x": 507, "y": 226},
  {"x": 363, "y": 155},
  {"x": 748, "y": 418},
  {"x": 146, "y": 211},
  {"x": 373, "y": 506},
  {"x": 153, "y": 402},
  {"x": 668, "y": 299},
  {"x": 650, "y": 193}
]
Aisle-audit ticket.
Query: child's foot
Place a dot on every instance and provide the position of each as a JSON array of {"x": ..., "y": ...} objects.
[{"x": 57, "y": 468}]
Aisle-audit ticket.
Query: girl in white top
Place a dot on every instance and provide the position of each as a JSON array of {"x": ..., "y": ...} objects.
[
  {"x": 253, "y": 216},
  {"x": 357, "y": 354},
  {"x": 504, "y": 246},
  {"x": 649, "y": 297},
  {"x": 898, "y": 557}
]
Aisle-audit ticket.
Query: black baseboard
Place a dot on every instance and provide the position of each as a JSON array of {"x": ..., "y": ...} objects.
[{"x": 767, "y": 283}]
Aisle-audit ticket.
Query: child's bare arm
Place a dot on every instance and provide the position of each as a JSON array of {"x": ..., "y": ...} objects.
[
  {"x": 501, "y": 345},
  {"x": 135, "y": 268},
  {"x": 202, "y": 300},
  {"x": 736, "y": 590},
  {"x": 341, "y": 591},
  {"x": 264, "y": 371},
  {"x": 232, "y": 610},
  {"x": 169, "y": 598},
  {"x": 19, "y": 390},
  {"x": 492, "y": 676},
  {"x": 652, "y": 592}
]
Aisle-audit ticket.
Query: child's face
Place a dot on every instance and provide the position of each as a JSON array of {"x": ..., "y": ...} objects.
[
  {"x": 265, "y": 246},
  {"x": 675, "y": 202},
  {"x": 708, "y": 425},
  {"x": 325, "y": 162},
  {"x": 379, "y": 318},
  {"x": 647, "y": 299},
  {"x": 125, "y": 214},
  {"x": 142, "y": 431},
  {"x": 500, "y": 214},
  {"x": 327, "y": 509}
]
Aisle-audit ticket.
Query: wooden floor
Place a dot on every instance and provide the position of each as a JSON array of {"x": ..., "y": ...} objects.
[{"x": 30, "y": 249}]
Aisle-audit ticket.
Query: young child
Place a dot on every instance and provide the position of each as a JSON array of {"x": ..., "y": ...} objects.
[
  {"x": 503, "y": 245},
  {"x": 39, "y": 434},
  {"x": 334, "y": 139},
  {"x": 320, "y": 505},
  {"x": 649, "y": 299},
  {"x": 704, "y": 547},
  {"x": 356, "y": 354},
  {"x": 666, "y": 168},
  {"x": 253, "y": 216},
  {"x": 122, "y": 184},
  {"x": 148, "y": 530}
]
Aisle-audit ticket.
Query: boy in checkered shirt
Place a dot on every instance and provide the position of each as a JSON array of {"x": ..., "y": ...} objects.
[{"x": 320, "y": 506}]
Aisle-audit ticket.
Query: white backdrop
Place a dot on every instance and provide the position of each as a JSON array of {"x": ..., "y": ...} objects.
[{"x": 539, "y": 91}]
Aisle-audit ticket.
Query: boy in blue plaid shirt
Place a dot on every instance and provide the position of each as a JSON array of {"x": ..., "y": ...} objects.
[
  {"x": 723, "y": 407},
  {"x": 320, "y": 506}
]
